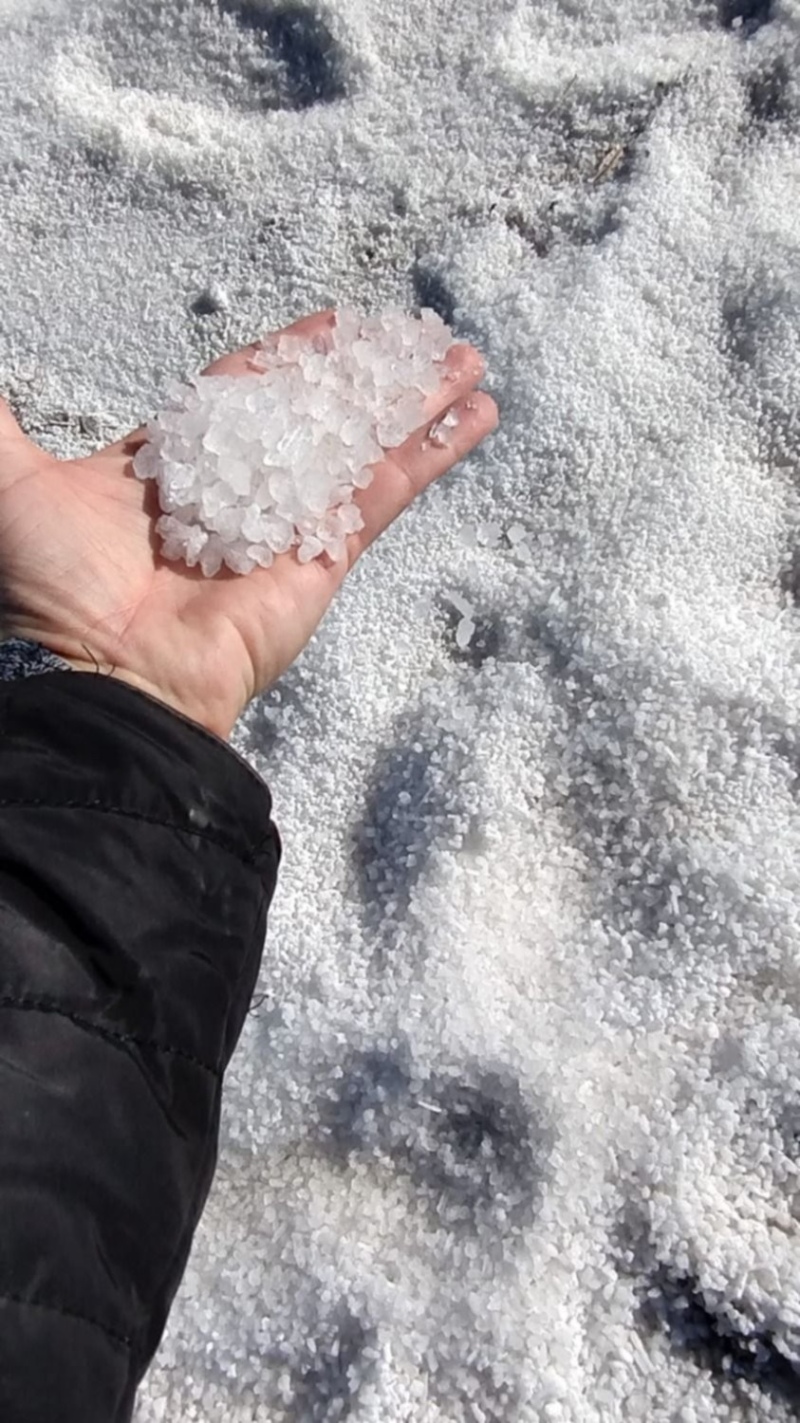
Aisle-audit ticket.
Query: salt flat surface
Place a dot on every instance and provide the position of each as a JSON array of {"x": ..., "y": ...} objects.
[{"x": 513, "y": 1132}]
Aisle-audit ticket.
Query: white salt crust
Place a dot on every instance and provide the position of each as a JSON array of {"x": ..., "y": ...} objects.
[
  {"x": 572, "y": 864},
  {"x": 250, "y": 466}
]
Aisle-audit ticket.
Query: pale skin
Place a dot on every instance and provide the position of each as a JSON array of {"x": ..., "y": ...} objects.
[{"x": 83, "y": 574}]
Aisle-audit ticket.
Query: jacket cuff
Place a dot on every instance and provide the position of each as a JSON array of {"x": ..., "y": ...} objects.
[
  {"x": 114, "y": 744},
  {"x": 150, "y": 843}
]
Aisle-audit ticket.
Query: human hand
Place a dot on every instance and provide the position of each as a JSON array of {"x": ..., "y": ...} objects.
[{"x": 83, "y": 574}]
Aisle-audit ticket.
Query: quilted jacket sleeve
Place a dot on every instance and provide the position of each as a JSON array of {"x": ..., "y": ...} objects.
[{"x": 137, "y": 862}]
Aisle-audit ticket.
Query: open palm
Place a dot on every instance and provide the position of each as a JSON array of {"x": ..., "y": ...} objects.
[{"x": 84, "y": 576}]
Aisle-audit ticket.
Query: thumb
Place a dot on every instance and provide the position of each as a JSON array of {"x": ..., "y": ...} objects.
[
  {"x": 17, "y": 451},
  {"x": 11, "y": 433},
  {"x": 9, "y": 427}
]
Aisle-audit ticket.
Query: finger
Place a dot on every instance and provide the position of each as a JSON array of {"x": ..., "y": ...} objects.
[
  {"x": 416, "y": 464},
  {"x": 462, "y": 369},
  {"x": 310, "y": 587}
]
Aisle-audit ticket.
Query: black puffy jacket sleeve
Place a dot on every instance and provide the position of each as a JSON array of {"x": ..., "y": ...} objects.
[{"x": 137, "y": 861}]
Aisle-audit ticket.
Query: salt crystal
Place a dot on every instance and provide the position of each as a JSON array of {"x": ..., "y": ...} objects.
[
  {"x": 196, "y": 540},
  {"x": 249, "y": 466},
  {"x": 464, "y": 632},
  {"x": 239, "y": 560},
  {"x": 278, "y": 533},
  {"x": 438, "y": 435},
  {"x": 228, "y": 524},
  {"x": 213, "y": 499},
  {"x": 309, "y": 548},
  {"x": 336, "y": 549},
  {"x": 350, "y": 518},
  {"x": 147, "y": 462},
  {"x": 489, "y": 534},
  {"x": 251, "y": 523},
  {"x": 211, "y": 559},
  {"x": 264, "y": 557},
  {"x": 460, "y": 604}
]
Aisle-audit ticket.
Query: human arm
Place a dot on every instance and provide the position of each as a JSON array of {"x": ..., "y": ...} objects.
[
  {"x": 137, "y": 862},
  {"x": 137, "y": 859}
]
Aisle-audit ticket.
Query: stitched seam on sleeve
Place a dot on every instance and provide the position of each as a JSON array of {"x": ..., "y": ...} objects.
[
  {"x": 69, "y": 1314},
  {"x": 106, "y": 809},
  {"x": 163, "y": 708},
  {"x": 43, "y": 1005}
]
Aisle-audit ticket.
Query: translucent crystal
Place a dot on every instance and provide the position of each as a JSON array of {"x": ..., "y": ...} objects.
[
  {"x": 211, "y": 558},
  {"x": 147, "y": 462},
  {"x": 278, "y": 533},
  {"x": 238, "y": 560},
  {"x": 252, "y": 465},
  {"x": 264, "y": 557},
  {"x": 309, "y": 548},
  {"x": 464, "y": 633},
  {"x": 214, "y": 499},
  {"x": 439, "y": 435},
  {"x": 350, "y": 518},
  {"x": 228, "y": 524}
]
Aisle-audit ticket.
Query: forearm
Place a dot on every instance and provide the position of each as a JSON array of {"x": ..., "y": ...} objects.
[{"x": 137, "y": 860}]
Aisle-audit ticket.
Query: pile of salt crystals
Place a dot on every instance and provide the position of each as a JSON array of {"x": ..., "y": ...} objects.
[{"x": 249, "y": 466}]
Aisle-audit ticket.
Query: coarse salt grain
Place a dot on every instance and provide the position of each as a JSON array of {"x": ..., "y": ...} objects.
[{"x": 250, "y": 466}]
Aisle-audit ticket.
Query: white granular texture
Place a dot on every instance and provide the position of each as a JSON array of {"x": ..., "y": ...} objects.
[
  {"x": 513, "y": 1129},
  {"x": 250, "y": 466}
]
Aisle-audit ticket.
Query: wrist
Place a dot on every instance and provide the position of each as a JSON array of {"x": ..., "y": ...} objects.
[
  {"x": 22, "y": 655},
  {"x": 140, "y": 684}
]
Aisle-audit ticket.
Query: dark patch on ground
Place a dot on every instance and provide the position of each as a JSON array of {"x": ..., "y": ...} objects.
[
  {"x": 490, "y": 1397},
  {"x": 537, "y": 231},
  {"x": 768, "y": 94},
  {"x": 329, "y": 1378},
  {"x": 741, "y": 319},
  {"x": 405, "y": 812},
  {"x": 486, "y": 644},
  {"x": 374, "y": 1083},
  {"x": 471, "y": 1145},
  {"x": 675, "y": 1306},
  {"x": 789, "y": 1128},
  {"x": 595, "y": 147},
  {"x": 556, "y": 638},
  {"x": 744, "y": 16},
  {"x": 312, "y": 63},
  {"x": 481, "y": 1147},
  {"x": 244, "y": 54},
  {"x": 430, "y": 289},
  {"x": 790, "y": 577},
  {"x": 271, "y": 716},
  {"x": 206, "y": 304}
]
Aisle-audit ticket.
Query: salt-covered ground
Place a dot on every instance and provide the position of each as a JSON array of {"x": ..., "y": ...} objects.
[{"x": 513, "y": 1132}]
